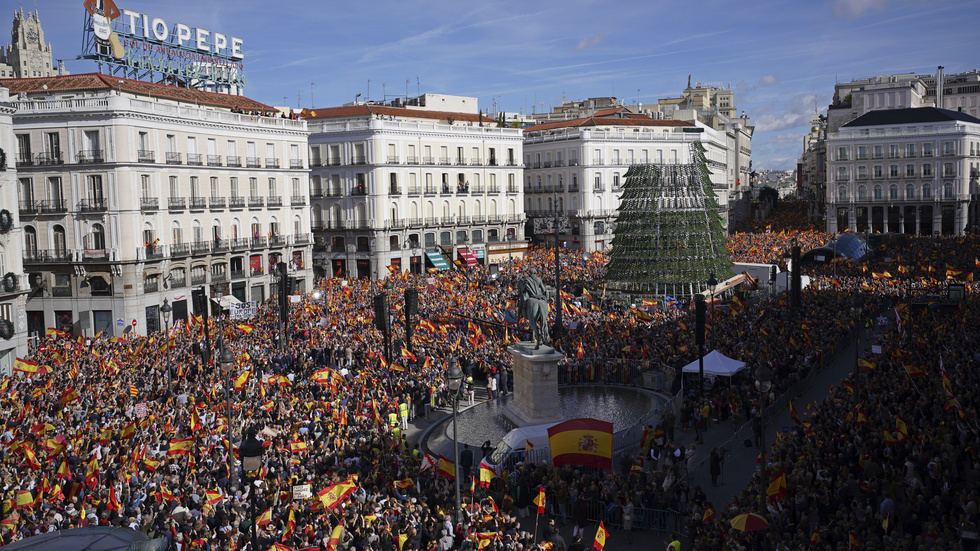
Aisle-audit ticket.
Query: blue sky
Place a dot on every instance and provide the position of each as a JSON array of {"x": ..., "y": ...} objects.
[{"x": 780, "y": 57}]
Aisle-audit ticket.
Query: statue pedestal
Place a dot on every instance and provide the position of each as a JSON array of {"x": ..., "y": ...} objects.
[{"x": 535, "y": 398}]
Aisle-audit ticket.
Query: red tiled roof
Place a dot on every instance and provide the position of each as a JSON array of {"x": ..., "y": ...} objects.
[
  {"x": 608, "y": 112},
  {"x": 99, "y": 81},
  {"x": 369, "y": 109},
  {"x": 593, "y": 121}
]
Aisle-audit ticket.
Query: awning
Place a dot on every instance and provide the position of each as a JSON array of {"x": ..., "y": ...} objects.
[
  {"x": 437, "y": 260},
  {"x": 467, "y": 256},
  {"x": 480, "y": 254},
  {"x": 226, "y": 301}
]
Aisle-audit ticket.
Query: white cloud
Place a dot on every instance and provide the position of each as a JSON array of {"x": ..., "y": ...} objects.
[
  {"x": 767, "y": 80},
  {"x": 768, "y": 122},
  {"x": 852, "y": 9},
  {"x": 587, "y": 42}
]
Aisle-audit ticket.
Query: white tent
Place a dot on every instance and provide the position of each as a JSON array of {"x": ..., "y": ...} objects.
[{"x": 716, "y": 364}]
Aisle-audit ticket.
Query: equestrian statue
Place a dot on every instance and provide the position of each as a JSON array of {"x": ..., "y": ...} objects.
[{"x": 532, "y": 305}]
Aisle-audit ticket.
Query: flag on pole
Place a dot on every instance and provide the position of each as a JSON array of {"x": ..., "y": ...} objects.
[
  {"x": 487, "y": 473},
  {"x": 446, "y": 468},
  {"x": 540, "y": 500},
  {"x": 600, "y": 537}
]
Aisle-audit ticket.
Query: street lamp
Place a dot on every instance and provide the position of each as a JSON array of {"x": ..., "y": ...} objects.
[
  {"x": 251, "y": 452},
  {"x": 763, "y": 382},
  {"x": 389, "y": 337},
  {"x": 166, "y": 310},
  {"x": 455, "y": 377},
  {"x": 227, "y": 363}
]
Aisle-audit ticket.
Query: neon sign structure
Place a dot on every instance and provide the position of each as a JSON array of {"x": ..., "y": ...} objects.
[{"x": 139, "y": 46}]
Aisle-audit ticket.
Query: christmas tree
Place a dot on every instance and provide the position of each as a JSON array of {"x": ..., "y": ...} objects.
[{"x": 669, "y": 235}]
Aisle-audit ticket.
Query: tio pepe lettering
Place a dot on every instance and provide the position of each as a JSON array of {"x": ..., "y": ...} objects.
[{"x": 203, "y": 40}]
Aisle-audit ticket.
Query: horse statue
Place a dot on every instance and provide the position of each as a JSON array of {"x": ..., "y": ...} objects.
[{"x": 532, "y": 305}]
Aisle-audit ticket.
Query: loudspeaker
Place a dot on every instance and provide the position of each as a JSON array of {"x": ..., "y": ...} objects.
[
  {"x": 381, "y": 312},
  {"x": 411, "y": 302}
]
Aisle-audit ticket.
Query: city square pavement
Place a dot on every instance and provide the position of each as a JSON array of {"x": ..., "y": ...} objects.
[{"x": 738, "y": 467}]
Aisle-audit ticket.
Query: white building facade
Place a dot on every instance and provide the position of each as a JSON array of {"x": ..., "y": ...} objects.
[
  {"x": 911, "y": 171},
  {"x": 13, "y": 282},
  {"x": 131, "y": 193},
  {"x": 412, "y": 189},
  {"x": 578, "y": 167}
]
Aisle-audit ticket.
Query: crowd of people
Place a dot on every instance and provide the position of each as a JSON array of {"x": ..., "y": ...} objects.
[{"x": 137, "y": 431}]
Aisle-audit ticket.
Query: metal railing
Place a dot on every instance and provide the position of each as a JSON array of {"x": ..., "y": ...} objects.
[
  {"x": 28, "y": 208},
  {"x": 146, "y": 156},
  {"x": 149, "y": 203},
  {"x": 256, "y": 202},
  {"x": 173, "y": 158},
  {"x": 200, "y": 247},
  {"x": 297, "y": 200},
  {"x": 214, "y": 160},
  {"x": 295, "y": 163},
  {"x": 217, "y": 202},
  {"x": 194, "y": 159},
  {"x": 92, "y": 205},
  {"x": 199, "y": 279},
  {"x": 233, "y": 160},
  {"x": 52, "y": 206},
  {"x": 47, "y": 255},
  {"x": 271, "y": 162},
  {"x": 236, "y": 202},
  {"x": 176, "y": 203},
  {"x": 199, "y": 203},
  {"x": 252, "y": 162},
  {"x": 45, "y": 159},
  {"x": 180, "y": 249},
  {"x": 89, "y": 156},
  {"x": 274, "y": 201}
]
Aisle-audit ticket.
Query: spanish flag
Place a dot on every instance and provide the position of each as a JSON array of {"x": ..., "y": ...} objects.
[
  {"x": 245, "y": 328},
  {"x": 25, "y": 366},
  {"x": 264, "y": 518},
  {"x": 338, "y": 531},
  {"x": 242, "y": 379},
  {"x": 777, "y": 488},
  {"x": 709, "y": 515},
  {"x": 540, "y": 500},
  {"x": 586, "y": 442},
  {"x": 446, "y": 468},
  {"x": 852, "y": 539},
  {"x": 180, "y": 447},
  {"x": 297, "y": 446},
  {"x": 865, "y": 365},
  {"x": 403, "y": 484},
  {"x": 600, "y": 536},
  {"x": 486, "y": 474},
  {"x": 407, "y": 355},
  {"x": 333, "y": 496}
]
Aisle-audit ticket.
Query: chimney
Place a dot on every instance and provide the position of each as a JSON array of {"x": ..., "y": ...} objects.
[{"x": 939, "y": 87}]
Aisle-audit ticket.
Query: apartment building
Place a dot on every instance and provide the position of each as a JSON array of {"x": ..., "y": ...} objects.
[
  {"x": 132, "y": 193},
  {"x": 411, "y": 187},
  {"x": 578, "y": 167},
  {"x": 911, "y": 171},
  {"x": 13, "y": 284}
]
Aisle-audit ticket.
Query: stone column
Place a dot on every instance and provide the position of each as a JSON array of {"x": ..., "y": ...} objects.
[{"x": 535, "y": 399}]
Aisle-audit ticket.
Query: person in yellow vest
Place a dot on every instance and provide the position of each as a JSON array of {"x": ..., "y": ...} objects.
[
  {"x": 403, "y": 411},
  {"x": 392, "y": 419},
  {"x": 396, "y": 435}
]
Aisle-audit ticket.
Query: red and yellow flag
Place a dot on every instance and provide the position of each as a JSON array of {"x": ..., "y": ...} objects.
[
  {"x": 180, "y": 447},
  {"x": 333, "y": 496},
  {"x": 446, "y": 468},
  {"x": 600, "y": 537},
  {"x": 540, "y": 500},
  {"x": 586, "y": 442}
]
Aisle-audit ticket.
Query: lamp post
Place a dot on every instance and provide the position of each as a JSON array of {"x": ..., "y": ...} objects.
[
  {"x": 856, "y": 314},
  {"x": 227, "y": 362},
  {"x": 166, "y": 310},
  {"x": 763, "y": 382},
  {"x": 251, "y": 452},
  {"x": 455, "y": 377},
  {"x": 389, "y": 336},
  {"x": 712, "y": 285}
]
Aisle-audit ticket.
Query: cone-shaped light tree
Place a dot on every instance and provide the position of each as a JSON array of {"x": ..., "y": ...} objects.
[{"x": 669, "y": 235}]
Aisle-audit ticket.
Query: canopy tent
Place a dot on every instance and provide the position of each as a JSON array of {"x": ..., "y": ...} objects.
[
  {"x": 437, "y": 260},
  {"x": 716, "y": 364},
  {"x": 91, "y": 538},
  {"x": 227, "y": 301}
]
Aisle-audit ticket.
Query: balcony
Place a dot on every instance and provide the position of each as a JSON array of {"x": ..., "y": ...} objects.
[
  {"x": 430, "y": 191},
  {"x": 217, "y": 203},
  {"x": 358, "y": 190},
  {"x": 214, "y": 160},
  {"x": 597, "y": 161},
  {"x": 318, "y": 225},
  {"x": 151, "y": 285},
  {"x": 177, "y": 282},
  {"x": 316, "y": 192},
  {"x": 332, "y": 162},
  {"x": 256, "y": 202},
  {"x": 252, "y": 162},
  {"x": 257, "y": 243},
  {"x": 199, "y": 279},
  {"x": 494, "y": 219},
  {"x": 333, "y": 192},
  {"x": 221, "y": 246},
  {"x": 52, "y": 206},
  {"x": 61, "y": 291},
  {"x": 415, "y": 222},
  {"x": 48, "y": 159},
  {"x": 949, "y": 153},
  {"x": 217, "y": 277},
  {"x": 302, "y": 239},
  {"x": 492, "y": 162},
  {"x": 95, "y": 255},
  {"x": 474, "y": 161},
  {"x": 180, "y": 249},
  {"x": 154, "y": 251},
  {"x": 146, "y": 156},
  {"x": 255, "y": 272},
  {"x": 573, "y": 187},
  {"x": 512, "y": 162},
  {"x": 414, "y": 190},
  {"x": 198, "y": 203},
  {"x": 200, "y": 247},
  {"x": 92, "y": 205},
  {"x": 927, "y": 153},
  {"x": 363, "y": 248},
  {"x": 358, "y": 160},
  {"x": 25, "y": 160},
  {"x": 394, "y": 190},
  {"x": 315, "y": 162},
  {"x": 29, "y": 208},
  {"x": 277, "y": 241},
  {"x": 464, "y": 220},
  {"x": 444, "y": 161},
  {"x": 176, "y": 203},
  {"x": 90, "y": 156},
  {"x": 573, "y": 162},
  {"x": 295, "y": 163},
  {"x": 297, "y": 200},
  {"x": 479, "y": 219},
  {"x": 46, "y": 256},
  {"x": 236, "y": 203},
  {"x": 271, "y": 162},
  {"x": 411, "y": 160},
  {"x": 194, "y": 159},
  {"x": 428, "y": 161},
  {"x": 240, "y": 244},
  {"x": 233, "y": 160},
  {"x": 274, "y": 201},
  {"x": 598, "y": 188},
  {"x": 432, "y": 221},
  {"x": 173, "y": 158},
  {"x": 239, "y": 274}
]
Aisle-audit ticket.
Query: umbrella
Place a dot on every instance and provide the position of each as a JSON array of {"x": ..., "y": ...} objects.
[{"x": 749, "y": 522}]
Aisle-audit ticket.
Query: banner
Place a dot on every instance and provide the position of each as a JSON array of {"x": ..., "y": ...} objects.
[{"x": 586, "y": 442}]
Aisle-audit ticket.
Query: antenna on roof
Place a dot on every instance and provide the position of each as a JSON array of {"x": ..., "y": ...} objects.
[
  {"x": 311, "y": 95},
  {"x": 418, "y": 86}
]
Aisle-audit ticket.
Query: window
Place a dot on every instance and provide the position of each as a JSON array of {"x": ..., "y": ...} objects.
[
  {"x": 26, "y": 190},
  {"x": 215, "y": 190},
  {"x": 893, "y": 171},
  {"x": 949, "y": 149},
  {"x": 52, "y": 144},
  {"x": 54, "y": 191},
  {"x": 893, "y": 192},
  {"x": 927, "y": 150},
  {"x": 841, "y": 174},
  {"x": 893, "y": 151},
  {"x": 174, "y": 187},
  {"x": 195, "y": 187},
  {"x": 296, "y": 189},
  {"x": 862, "y": 193},
  {"x": 909, "y": 151},
  {"x": 909, "y": 171},
  {"x": 842, "y": 153},
  {"x": 253, "y": 187},
  {"x": 948, "y": 190},
  {"x": 30, "y": 240},
  {"x": 272, "y": 187},
  {"x": 144, "y": 141},
  {"x": 927, "y": 170},
  {"x": 95, "y": 189},
  {"x": 862, "y": 152},
  {"x": 842, "y": 193},
  {"x": 926, "y": 191},
  {"x": 98, "y": 237},
  {"x": 910, "y": 191},
  {"x": 862, "y": 172},
  {"x": 877, "y": 193},
  {"x": 24, "y": 148},
  {"x": 878, "y": 172},
  {"x": 171, "y": 143},
  {"x": 878, "y": 152},
  {"x": 948, "y": 170},
  {"x": 178, "y": 236}
]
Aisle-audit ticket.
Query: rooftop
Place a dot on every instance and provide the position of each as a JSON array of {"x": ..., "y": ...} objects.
[
  {"x": 368, "y": 109},
  {"x": 595, "y": 121},
  {"x": 911, "y": 115}
]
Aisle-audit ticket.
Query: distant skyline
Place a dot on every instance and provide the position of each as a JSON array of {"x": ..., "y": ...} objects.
[{"x": 781, "y": 58}]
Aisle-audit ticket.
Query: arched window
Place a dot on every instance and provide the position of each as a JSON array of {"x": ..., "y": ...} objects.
[
  {"x": 893, "y": 191},
  {"x": 877, "y": 193},
  {"x": 910, "y": 191},
  {"x": 948, "y": 190},
  {"x": 60, "y": 240},
  {"x": 926, "y": 191},
  {"x": 98, "y": 236},
  {"x": 862, "y": 192},
  {"x": 30, "y": 241},
  {"x": 317, "y": 215}
]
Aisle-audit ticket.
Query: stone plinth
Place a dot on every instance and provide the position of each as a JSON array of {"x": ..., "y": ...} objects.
[{"x": 535, "y": 399}]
